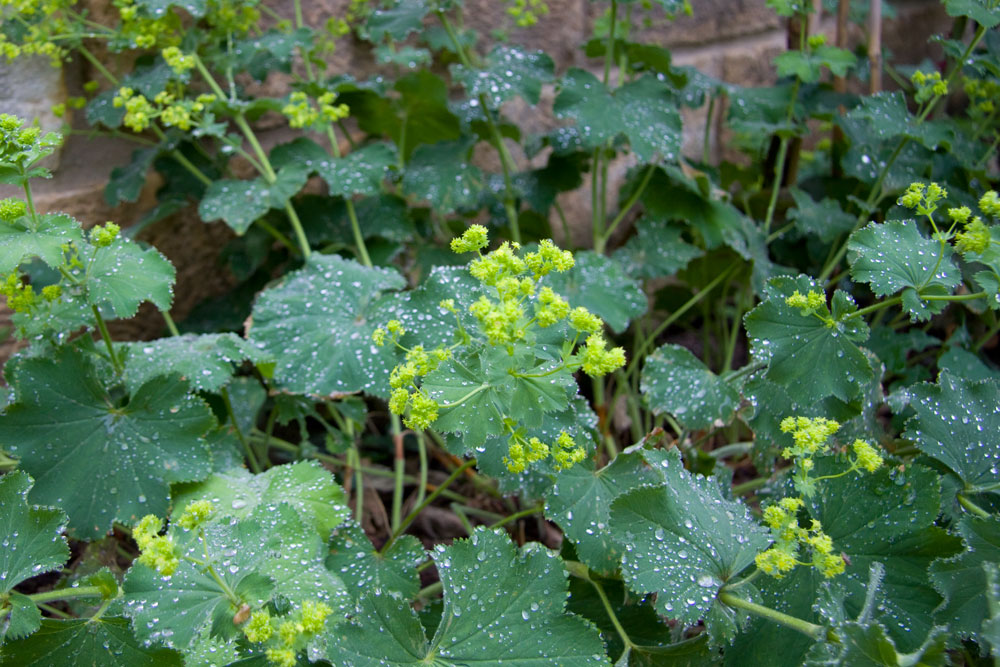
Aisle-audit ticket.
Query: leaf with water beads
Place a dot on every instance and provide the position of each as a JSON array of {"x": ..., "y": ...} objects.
[
  {"x": 805, "y": 354},
  {"x": 205, "y": 361},
  {"x": 359, "y": 173},
  {"x": 362, "y": 569},
  {"x": 441, "y": 174},
  {"x": 317, "y": 324},
  {"x": 963, "y": 581},
  {"x": 158, "y": 8},
  {"x": 657, "y": 251},
  {"x": 977, "y": 10},
  {"x": 398, "y": 20},
  {"x": 868, "y": 644},
  {"x": 601, "y": 285},
  {"x": 20, "y": 241},
  {"x": 501, "y": 606},
  {"x": 239, "y": 203},
  {"x": 31, "y": 541},
  {"x": 682, "y": 540},
  {"x": 87, "y": 642},
  {"x": 674, "y": 380},
  {"x": 581, "y": 501},
  {"x": 305, "y": 485},
  {"x": 99, "y": 459},
  {"x": 825, "y": 219},
  {"x": 123, "y": 275},
  {"x": 507, "y": 72},
  {"x": 895, "y": 256},
  {"x": 957, "y": 422},
  {"x": 259, "y": 558}
]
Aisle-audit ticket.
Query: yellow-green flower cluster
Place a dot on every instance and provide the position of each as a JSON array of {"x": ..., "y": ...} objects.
[
  {"x": 521, "y": 453},
  {"x": 789, "y": 537},
  {"x": 171, "y": 110},
  {"x": 423, "y": 410},
  {"x": 232, "y": 16},
  {"x": 866, "y": 456},
  {"x": 104, "y": 235},
  {"x": 550, "y": 308},
  {"x": 158, "y": 551},
  {"x": 40, "y": 24},
  {"x": 472, "y": 239},
  {"x": 138, "y": 111},
  {"x": 11, "y": 209},
  {"x": 811, "y": 436},
  {"x": 597, "y": 359},
  {"x": 21, "y": 297},
  {"x": 807, "y": 303},
  {"x": 290, "y": 634},
  {"x": 177, "y": 61},
  {"x": 923, "y": 198},
  {"x": 19, "y": 144},
  {"x": 144, "y": 31},
  {"x": 928, "y": 85},
  {"x": 526, "y": 12},
  {"x": 975, "y": 236},
  {"x": 195, "y": 514},
  {"x": 983, "y": 96},
  {"x": 59, "y": 110},
  {"x": 302, "y": 114}
]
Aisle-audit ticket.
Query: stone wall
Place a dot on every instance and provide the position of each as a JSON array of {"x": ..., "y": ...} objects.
[{"x": 734, "y": 40}]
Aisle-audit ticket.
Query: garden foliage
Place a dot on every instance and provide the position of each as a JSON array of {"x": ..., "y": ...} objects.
[{"x": 760, "y": 403}]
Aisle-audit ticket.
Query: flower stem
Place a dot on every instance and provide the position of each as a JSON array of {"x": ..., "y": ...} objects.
[
  {"x": 66, "y": 594},
  {"x": 430, "y": 499},
  {"x": 106, "y": 336},
  {"x": 815, "y": 632},
  {"x": 972, "y": 507}
]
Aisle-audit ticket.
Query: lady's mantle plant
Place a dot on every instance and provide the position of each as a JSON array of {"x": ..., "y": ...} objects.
[{"x": 760, "y": 408}]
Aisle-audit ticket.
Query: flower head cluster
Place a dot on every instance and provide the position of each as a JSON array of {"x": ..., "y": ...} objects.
[
  {"x": 172, "y": 109},
  {"x": 423, "y": 410},
  {"x": 158, "y": 551},
  {"x": 21, "y": 297},
  {"x": 40, "y": 26},
  {"x": 983, "y": 96},
  {"x": 143, "y": 29},
  {"x": 522, "y": 452},
  {"x": 104, "y": 235},
  {"x": 195, "y": 514},
  {"x": 807, "y": 303},
  {"x": 923, "y": 198},
  {"x": 177, "y": 61},
  {"x": 302, "y": 114},
  {"x": 597, "y": 359},
  {"x": 928, "y": 85},
  {"x": 526, "y": 12},
  {"x": 975, "y": 236},
  {"x": 867, "y": 457},
  {"x": 810, "y": 435},
  {"x": 790, "y": 538},
  {"x": 287, "y": 635},
  {"x": 24, "y": 145},
  {"x": 11, "y": 209}
]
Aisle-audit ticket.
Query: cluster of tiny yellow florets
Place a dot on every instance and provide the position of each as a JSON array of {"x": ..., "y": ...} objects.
[
  {"x": 808, "y": 302},
  {"x": 195, "y": 514},
  {"x": 564, "y": 451},
  {"x": 811, "y": 437},
  {"x": 171, "y": 109},
  {"x": 975, "y": 236},
  {"x": 21, "y": 297},
  {"x": 41, "y": 24},
  {"x": 59, "y": 110},
  {"x": 19, "y": 144},
  {"x": 11, "y": 209},
  {"x": 983, "y": 95},
  {"x": 789, "y": 537},
  {"x": 290, "y": 634},
  {"x": 177, "y": 60},
  {"x": 104, "y": 235},
  {"x": 403, "y": 380},
  {"x": 144, "y": 31},
  {"x": 302, "y": 114},
  {"x": 923, "y": 198},
  {"x": 158, "y": 551},
  {"x": 526, "y": 12},
  {"x": 928, "y": 85}
]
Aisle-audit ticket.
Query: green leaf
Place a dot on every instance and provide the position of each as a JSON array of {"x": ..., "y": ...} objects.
[
  {"x": 581, "y": 500},
  {"x": 868, "y": 645},
  {"x": 363, "y": 569},
  {"x": 962, "y": 580},
  {"x": 507, "y": 72},
  {"x": 978, "y": 10},
  {"x": 317, "y": 322},
  {"x": 397, "y": 21},
  {"x": 809, "y": 358},
  {"x": 644, "y": 110},
  {"x": 685, "y": 540},
  {"x": 123, "y": 275},
  {"x": 600, "y": 284},
  {"x": 19, "y": 241},
  {"x": 894, "y": 256},
  {"x": 126, "y": 183},
  {"x": 657, "y": 251},
  {"x": 258, "y": 558},
  {"x": 24, "y": 618},
  {"x": 305, "y": 485},
  {"x": 361, "y": 172},
  {"x": 991, "y": 624},
  {"x": 32, "y": 536},
  {"x": 479, "y": 415},
  {"x": 886, "y": 517},
  {"x": 157, "y": 8},
  {"x": 440, "y": 174},
  {"x": 85, "y": 642},
  {"x": 501, "y": 606},
  {"x": 798, "y": 64},
  {"x": 674, "y": 380},
  {"x": 825, "y": 219},
  {"x": 100, "y": 459},
  {"x": 956, "y": 423},
  {"x": 205, "y": 361},
  {"x": 235, "y": 202}
]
